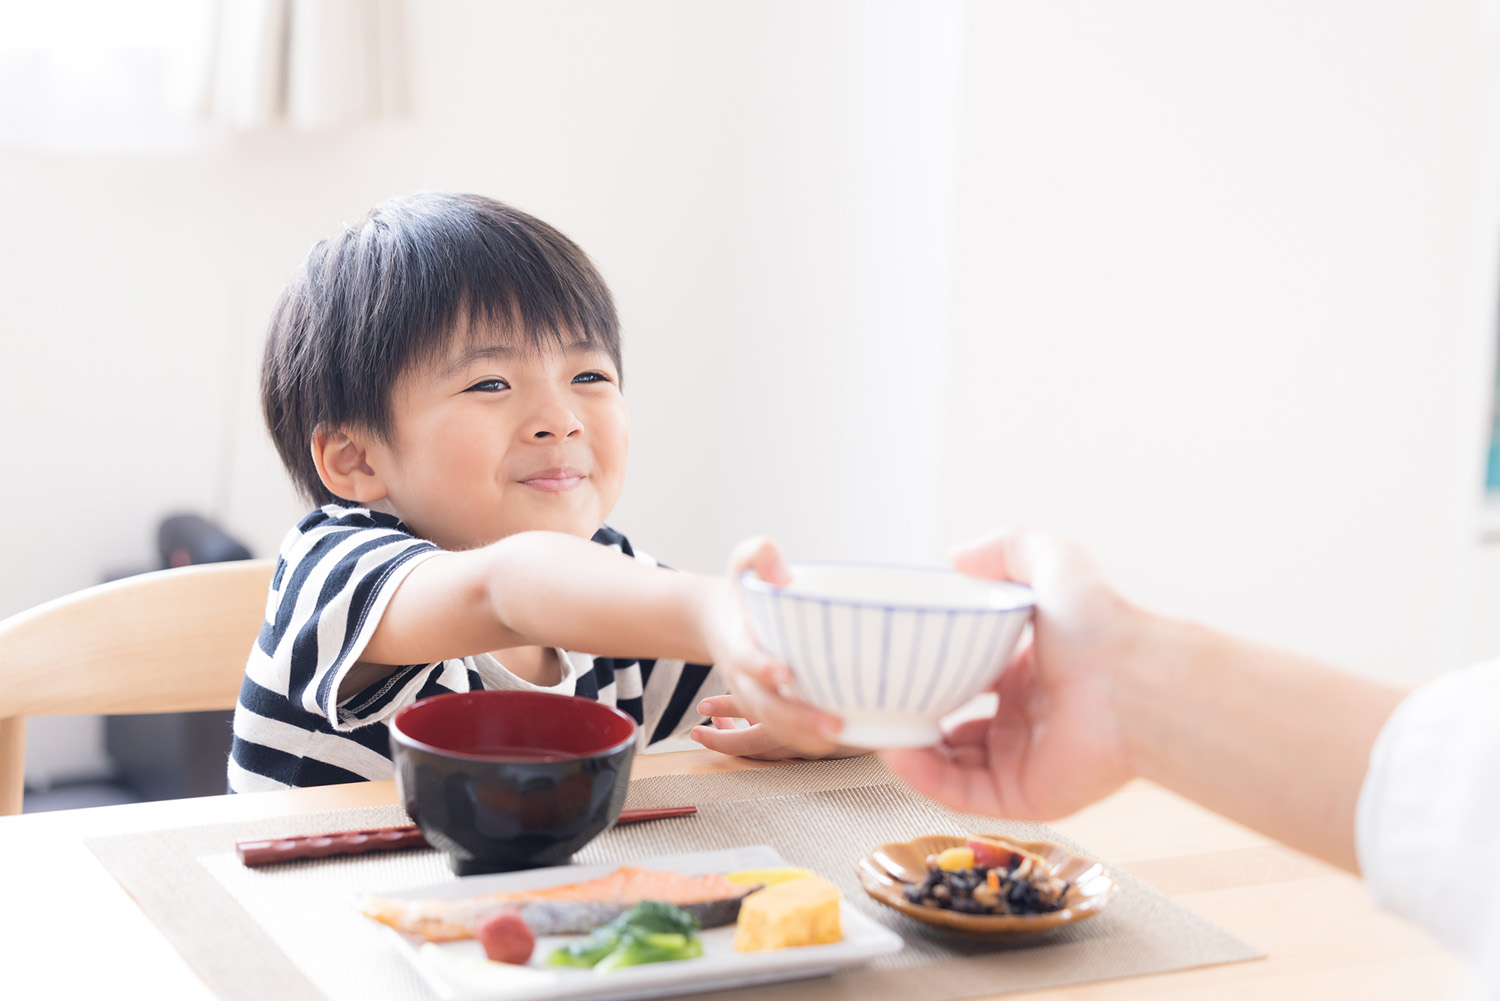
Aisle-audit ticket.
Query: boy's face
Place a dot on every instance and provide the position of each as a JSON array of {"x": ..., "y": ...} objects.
[{"x": 498, "y": 440}]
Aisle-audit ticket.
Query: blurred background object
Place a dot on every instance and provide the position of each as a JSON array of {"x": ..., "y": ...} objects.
[
  {"x": 311, "y": 64},
  {"x": 98, "y": 76},
  {"x": 152, "y": 755},
  {"x": 1211, "y": 287}
]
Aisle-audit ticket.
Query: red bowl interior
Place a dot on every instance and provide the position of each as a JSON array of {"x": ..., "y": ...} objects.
[{"x": 514, "y": 726}]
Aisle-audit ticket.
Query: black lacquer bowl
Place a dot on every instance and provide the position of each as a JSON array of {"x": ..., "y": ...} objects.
[{"x": 511, "y": 780}]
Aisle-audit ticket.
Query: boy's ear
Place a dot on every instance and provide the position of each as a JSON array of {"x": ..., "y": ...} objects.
[{"x": 343, "y": 461}]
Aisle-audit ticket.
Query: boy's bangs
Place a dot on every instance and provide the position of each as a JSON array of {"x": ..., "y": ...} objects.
[
  {"x": 527, "y": 287},
  {"x": 505, "y": 322}
]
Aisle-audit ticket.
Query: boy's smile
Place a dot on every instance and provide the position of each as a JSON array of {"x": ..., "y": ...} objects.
[
  {"x": 557, "y": 480},
  {"x": 496, "y": 440}
]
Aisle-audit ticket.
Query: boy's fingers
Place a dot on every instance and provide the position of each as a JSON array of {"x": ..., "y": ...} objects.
[
  {"x": 740, "y": 743},
  {"x": 730, "y": 740},
  {"x": 791, "y": 718},
  {"x": 744, "y": 654},
  {"x": 764, "y": 556},
  {"x": 760, "y": 741},
  {"x": 720, "y": 705},
  {"x": 755, "y": 698},
  {"x": 749, "y": 660}
]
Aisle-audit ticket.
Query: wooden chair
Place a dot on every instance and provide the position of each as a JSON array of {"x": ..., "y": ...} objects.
[{"x": 169, "y": 641}]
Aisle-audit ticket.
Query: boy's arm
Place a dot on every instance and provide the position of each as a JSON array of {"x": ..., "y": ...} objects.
[
  {"x": 550, "y": 589},
  {"x": 545, "y": 589}
]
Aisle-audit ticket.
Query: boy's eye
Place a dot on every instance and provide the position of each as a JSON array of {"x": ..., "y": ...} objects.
[
  {"x": 488, "y": 386},
  {"x": 590, "y": 377}
]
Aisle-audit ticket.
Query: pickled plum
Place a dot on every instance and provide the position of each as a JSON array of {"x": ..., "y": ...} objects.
[{"x": 506, "y": 938}]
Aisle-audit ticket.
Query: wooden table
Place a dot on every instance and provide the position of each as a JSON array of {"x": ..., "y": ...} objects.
[{"x": 67, "y": 928}]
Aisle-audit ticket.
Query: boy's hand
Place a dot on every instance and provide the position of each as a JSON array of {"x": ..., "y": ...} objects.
[
  {"x": 782, "y": 725},
  {"x": 755, "y": 741}
]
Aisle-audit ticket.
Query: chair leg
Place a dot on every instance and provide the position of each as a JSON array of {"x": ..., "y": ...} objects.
[{"x": 12, "y": 764}]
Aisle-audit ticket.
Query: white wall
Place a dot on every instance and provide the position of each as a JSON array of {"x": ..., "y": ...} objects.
[
  {"x": 1207, "y": 285},
  {"x": 136, "y": 288},
  {"x": 1484, "y": 599},
  {"x": 842, "y": 330},
  {"x": 1224, "y": 308}
]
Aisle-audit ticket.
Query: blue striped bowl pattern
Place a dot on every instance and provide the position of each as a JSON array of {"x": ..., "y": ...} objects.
[{"x": 890, "y": 650}]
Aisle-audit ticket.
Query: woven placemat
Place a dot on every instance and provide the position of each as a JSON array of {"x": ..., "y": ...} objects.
[{"x": 291, "y": 932}]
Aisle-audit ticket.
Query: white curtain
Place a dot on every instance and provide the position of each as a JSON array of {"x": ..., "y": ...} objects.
[
  {"x": 151, "y": 75},
  {"x": 100, "y": 75},
  {"x": 310, "y": 64}
]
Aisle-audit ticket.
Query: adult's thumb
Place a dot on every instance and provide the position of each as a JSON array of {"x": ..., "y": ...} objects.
[{"x": 1001, "y": 555}]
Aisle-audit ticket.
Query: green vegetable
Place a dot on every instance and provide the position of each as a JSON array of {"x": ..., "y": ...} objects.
[
  {"x": 654, "y": 916},
  {"x": 636, "y": 950},
  {"x": 650, "y": 932},
  {"x": 588, "y": 950}
]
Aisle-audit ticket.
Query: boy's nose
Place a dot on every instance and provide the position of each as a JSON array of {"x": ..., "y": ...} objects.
[{"x": 555, "y": 421}]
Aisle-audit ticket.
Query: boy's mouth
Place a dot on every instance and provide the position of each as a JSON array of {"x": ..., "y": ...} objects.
[{"x": 554, "y": 480}]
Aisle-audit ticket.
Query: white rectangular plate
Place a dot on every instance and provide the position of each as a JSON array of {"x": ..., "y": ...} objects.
[{"x": 459, "y": 971}]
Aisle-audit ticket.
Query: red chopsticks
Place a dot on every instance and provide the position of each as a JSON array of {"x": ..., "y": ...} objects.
[{"x": 268, "y": 851}]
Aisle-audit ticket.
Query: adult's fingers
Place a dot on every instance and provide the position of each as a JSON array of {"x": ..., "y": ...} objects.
[
  {"x": 970, "y": 731},
  {"x": 963, "y": 784},
  {"x": 1059, "y": 570},
  {"x": 1001, "y": 555}
]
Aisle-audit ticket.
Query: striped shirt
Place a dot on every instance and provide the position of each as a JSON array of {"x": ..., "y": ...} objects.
[{"x": 334, "y": 576}]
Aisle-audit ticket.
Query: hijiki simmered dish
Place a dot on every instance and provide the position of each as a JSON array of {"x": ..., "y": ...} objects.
[{"x": 989, "y": 875}]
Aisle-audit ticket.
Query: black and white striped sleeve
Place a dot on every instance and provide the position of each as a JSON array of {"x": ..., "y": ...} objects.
[{"x": 331, "y": 587}]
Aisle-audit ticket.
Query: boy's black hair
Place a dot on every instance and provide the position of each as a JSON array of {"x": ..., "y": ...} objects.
[{"x": 391, "y": 291}]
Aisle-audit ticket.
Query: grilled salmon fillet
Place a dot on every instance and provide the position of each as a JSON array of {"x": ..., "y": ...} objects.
[{"x": 559, "y": 910}]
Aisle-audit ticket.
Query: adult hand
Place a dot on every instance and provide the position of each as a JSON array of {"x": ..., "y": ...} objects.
[
  {"x": 783, "y": 726},
  {"x": 1054, "y": 744}
]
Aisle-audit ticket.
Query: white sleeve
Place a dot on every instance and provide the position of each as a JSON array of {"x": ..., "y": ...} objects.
[{"x": 1427, "y": 827}]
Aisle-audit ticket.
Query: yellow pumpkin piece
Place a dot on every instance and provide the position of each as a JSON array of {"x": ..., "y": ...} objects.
[
  {"x": 956, "y": 859},
  {"x": 767, "y": 877},
  {"x": 794, "y": 912}
]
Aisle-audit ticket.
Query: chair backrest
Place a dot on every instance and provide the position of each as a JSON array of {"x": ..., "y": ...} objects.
[{"x": 169, "y": 641}]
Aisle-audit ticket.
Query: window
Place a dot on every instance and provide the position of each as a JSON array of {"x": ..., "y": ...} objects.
[{"x": 102, "y": 75}]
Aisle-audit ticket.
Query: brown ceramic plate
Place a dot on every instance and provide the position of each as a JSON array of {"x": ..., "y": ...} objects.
[{"x": 887, "y": 871}]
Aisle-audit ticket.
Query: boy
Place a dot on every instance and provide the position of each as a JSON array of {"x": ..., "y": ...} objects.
[{"x": 443, "y": 379}]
